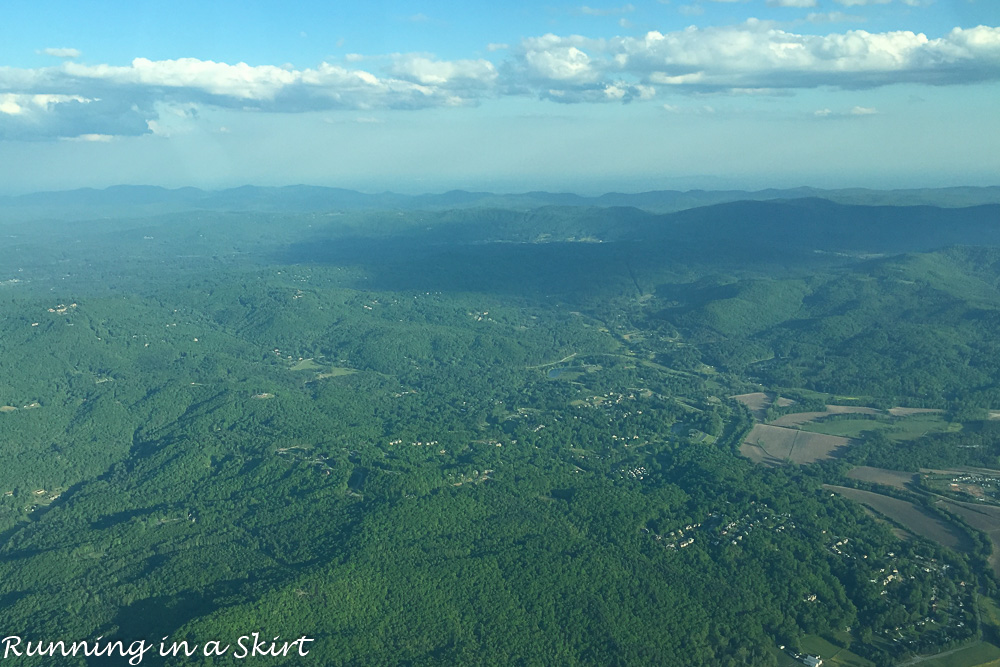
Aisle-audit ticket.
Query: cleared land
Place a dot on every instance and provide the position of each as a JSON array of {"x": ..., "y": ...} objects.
[
  {"x": 831, "y": 654},
  {"x": 898, "y": 429},
  {"x": 336, "y": 372},
  {"x": 305, "y": 365},
  {"x": 851, "y": 409},
  {"x": 774, "y": 445},
  {"x": 894, "y": 478},
  {"x": 912, "y": 517},
  {"x": 980, "y": 654},
  {"x": 799, "y": 418},
  {"x": 814, "y": 419},
  {"x": 981, "y": 517},
  {"x": 906, "y": 412},
  {"x": 757, "y": 402}
]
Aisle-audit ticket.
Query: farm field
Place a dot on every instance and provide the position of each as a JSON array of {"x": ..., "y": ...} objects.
[
  {"x": 900, "y": 429},
  {"x": 830, "y": 653},
  {"x": 915, "y": 519},
  {"x": 757, "y": 403},
  {"x": 775, "y": 445},
  {"x": 799, "y": 418},
  {"x": 895, "y": 478},
  {"x": 981, "y": 517},
  {"x": 979, "y": 654},
  {"x": 909, "y": 412}
]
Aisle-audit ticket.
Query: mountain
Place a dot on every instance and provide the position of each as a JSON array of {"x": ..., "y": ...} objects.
[{"x": 138, "y": 200}]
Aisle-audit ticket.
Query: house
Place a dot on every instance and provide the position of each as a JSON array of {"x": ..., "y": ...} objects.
[{"x": 812, "y": 660}]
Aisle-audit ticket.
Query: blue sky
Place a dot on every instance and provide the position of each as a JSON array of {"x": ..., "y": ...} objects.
[{"x": 428, "y": 96}]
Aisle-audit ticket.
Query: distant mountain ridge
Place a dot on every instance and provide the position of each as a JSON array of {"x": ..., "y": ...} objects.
[{"x": 141, "y": 200}]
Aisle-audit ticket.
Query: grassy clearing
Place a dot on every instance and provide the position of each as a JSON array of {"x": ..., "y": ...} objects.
[
  {"x": 919, "y": 425},
  {"x": 909, "y": 412},
  {"x": 567, "y": 374},
  {"x": 976, "y": 655},
  {"x": 305, "y": 365},
  {"x": 990, "y": 615},
  {"x": 912, "y": 517},
  {"x": 816, "y": 645},
  {"x": 800, "y": 418},
  {"x": 797, "y": 418},
  {"x": 336, "y": 372},
  {"x": 847, "y": 428},
  {"x": 899, "y": 429},
  {"x": 784, "y": 660},
  {"x": 831, "y": 654},
  {"x": 991, "y": 612}
]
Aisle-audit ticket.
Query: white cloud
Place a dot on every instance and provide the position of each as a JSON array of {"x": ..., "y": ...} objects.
[
  {"x": 496, "y": 46},
  {"x": 240, "y": 80},
  {"x": 855, "y": 111},
  {"x": 428, "y": 71},
  {"x": 74, "y": 99},
  {"x": 562, "y": 64},
  {"x": 101, "y": 138},
  {"x": 862, "y": 3},
  {"x": 556, "y": 58},
  {"x": 755, "y": 55},
  {"x": 834, "y": 17},
  {"x": 14, "y": 104},
  {"x": 791, "y": 3},
  {"x": 61, "y": 52}
]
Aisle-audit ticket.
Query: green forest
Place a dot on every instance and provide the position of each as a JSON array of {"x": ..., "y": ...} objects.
[{"x": 495, "y": 435}]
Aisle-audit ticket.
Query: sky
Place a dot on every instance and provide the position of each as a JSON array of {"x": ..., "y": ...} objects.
[{"x": 428, "y": 96}]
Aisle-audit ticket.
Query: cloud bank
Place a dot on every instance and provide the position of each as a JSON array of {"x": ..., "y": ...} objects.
[{"x": 75, "y": 99}]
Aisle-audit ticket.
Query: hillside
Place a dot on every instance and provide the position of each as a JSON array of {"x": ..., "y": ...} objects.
[{"x": 492, "y": 436}]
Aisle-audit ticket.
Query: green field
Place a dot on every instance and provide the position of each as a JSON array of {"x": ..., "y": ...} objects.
[
  {"x": 336, "y": 372},
  {"x": 831, "y": 654},
  {"x": 906, "y": 428},
  {"x": 980, "y": 653},
  {"x": 305, "y": 365}
]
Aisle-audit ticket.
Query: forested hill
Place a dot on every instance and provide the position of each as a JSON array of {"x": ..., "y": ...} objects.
[
  {"x": 135, "y": 200},
  {"x": 563, "y": 249},
  {"x": 498, "y": 436}
]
